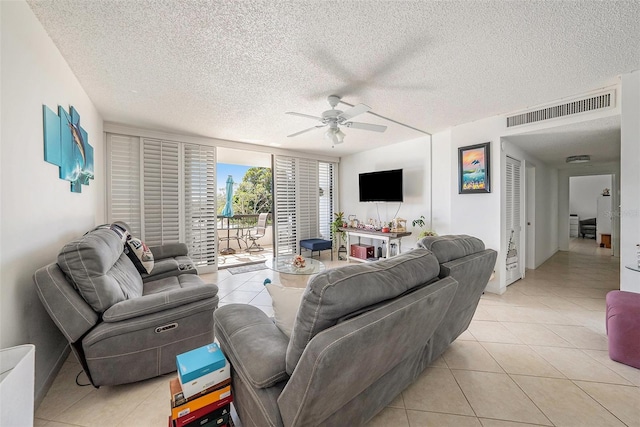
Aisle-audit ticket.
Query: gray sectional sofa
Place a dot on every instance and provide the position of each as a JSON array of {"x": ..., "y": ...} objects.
[
  {"x": 363, "y": 333},
  {"x": 120, "y": 328}
]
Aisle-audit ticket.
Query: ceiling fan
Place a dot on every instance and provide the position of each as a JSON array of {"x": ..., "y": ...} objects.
[{"x": 336, "y": 118}]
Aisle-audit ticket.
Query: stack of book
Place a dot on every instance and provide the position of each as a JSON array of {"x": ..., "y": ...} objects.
[{"x": 201, "y": 394}]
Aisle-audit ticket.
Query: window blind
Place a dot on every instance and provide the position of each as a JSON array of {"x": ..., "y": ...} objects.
[
  {"x": 200, "y": 203},
  {"x": 284, "y": 203},
  {"x": 297, "y": 202},
  {"x": 161, "y": 192},
  {"x": 307, "y": 203},
  {"x": 166, "y": 192},
  {"x": 123, "y": 169},
  {"x": 326, "y": 180}
]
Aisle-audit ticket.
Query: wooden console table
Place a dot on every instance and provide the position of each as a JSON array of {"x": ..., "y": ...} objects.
[{"x": 371, "y": 234}]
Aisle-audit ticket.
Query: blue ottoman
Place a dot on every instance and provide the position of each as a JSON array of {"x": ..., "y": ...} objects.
[{"x": 316, "y": 245}]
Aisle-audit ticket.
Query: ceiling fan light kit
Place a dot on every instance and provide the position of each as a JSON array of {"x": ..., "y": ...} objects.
[{"x": 336, "y": 118}]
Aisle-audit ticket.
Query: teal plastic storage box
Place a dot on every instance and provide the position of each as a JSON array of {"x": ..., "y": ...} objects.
[{"x": 201, "y": 361}]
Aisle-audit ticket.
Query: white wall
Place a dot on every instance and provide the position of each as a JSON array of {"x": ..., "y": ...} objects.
[
  {"x": 411, "y": 156},
  {"x": 39, "y": 213},
  {"x": 584, "y": 192},
  {"x": 630, "y": 181}
]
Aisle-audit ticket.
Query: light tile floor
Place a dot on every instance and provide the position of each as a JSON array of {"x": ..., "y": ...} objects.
[
  {"x": 535, "y": 355},
  {"x": 242, "y": 257}
]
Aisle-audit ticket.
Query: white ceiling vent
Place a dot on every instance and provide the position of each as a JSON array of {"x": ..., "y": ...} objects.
[{"x": 600, "y": 101}]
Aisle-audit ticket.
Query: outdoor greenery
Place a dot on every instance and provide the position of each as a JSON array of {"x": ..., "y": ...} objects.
[{"x": 253, "y": 194}]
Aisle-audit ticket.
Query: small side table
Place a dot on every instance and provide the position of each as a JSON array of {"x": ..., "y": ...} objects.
[{"x": 605, "y": 241}]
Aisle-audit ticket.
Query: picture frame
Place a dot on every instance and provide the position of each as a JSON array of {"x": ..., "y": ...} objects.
[{"x": 474, "y": 169}]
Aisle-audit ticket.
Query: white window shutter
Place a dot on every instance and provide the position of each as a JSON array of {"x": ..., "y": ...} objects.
[
  {"x": 284, "y": 204},
  {"x": 326, "y": 180},
  {"x": 300, "y": 212},
  {"x": 123, "y": 168},
  {"x": 307, "y": 192},
  {"x": 161, "y": 192},
  {"x": 200, "y": 204}
]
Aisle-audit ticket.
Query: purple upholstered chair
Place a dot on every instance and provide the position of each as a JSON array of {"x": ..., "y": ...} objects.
[{"x": 623, "y": 327}]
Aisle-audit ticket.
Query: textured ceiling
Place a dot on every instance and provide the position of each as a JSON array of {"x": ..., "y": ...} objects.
[{"x": 230, "y": 69}]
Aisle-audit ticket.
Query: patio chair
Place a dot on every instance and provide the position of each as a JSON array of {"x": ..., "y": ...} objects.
[{"x": 257, "y": 233}]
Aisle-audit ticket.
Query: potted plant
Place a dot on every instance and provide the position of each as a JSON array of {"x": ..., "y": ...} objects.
[{"x": 420, "y": 223}]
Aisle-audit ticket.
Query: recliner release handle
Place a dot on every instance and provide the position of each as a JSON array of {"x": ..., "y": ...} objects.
[{"x": 166, "y": 327}]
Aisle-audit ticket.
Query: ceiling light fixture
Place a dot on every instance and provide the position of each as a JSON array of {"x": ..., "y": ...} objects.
[
  {"x": 583, "y": 158},
  {"x": 334, "y": 135}
]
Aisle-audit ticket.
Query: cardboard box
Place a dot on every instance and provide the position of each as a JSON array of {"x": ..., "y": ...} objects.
[
  {"x": 199, "y": 384},
  {"x": 362, "y": 251},
  {"x": 199, "y": 362},
  {"x": 177, "y": 395},
  {"x": 204, "y": 416},
  {"x": 194, "y": 405}
]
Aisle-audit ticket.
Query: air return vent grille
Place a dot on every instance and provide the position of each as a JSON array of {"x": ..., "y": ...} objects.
[{"x": 596, "y": 102}]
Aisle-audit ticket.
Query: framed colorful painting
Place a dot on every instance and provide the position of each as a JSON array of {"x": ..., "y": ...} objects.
[{"x": 474, "y": 169}]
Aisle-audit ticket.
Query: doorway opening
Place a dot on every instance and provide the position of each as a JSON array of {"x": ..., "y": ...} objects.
[
  {"x": 244, "y": 200},
  {"x": 590, "y": 214}
]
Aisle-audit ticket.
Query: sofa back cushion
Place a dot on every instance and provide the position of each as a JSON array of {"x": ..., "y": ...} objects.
[
  {"x": 100, "y": 271},
  {"x": 341, "y": 293},
  {"x": 447, "y": 248}
]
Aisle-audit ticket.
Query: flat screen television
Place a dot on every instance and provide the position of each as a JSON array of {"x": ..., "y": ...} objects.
[{"x": 383, "y": 186}]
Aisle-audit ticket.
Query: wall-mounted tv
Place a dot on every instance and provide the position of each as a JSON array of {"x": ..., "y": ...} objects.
[{"x": 383, "y": 186}]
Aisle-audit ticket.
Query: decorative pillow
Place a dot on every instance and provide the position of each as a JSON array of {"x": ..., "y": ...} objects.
[
  {"x": 140, "y": 254},
  {"x": 285, "y": 302}
]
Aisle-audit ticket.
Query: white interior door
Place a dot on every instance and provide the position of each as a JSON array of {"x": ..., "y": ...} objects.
[
  {"x": 530, "y": 197},
  {"x": 514, "y": 221}
]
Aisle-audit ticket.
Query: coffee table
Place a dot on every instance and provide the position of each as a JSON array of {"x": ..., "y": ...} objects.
[{"x": 284, "y": 264}]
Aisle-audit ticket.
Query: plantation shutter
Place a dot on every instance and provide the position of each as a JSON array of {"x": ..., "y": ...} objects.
[
  {"x": 123, "y": 169},
  {"x": 297, "y": 205},
  {"x": 326, "y": 198},
  {"x": 307, "y": 202},
  {"x": 161, "y": 174},
  {"x": 284, "y": 180},
  {"x": 166, "y": 192},
  {"x": 200, "y": 204},
  {"x": 513, "y": 222}
]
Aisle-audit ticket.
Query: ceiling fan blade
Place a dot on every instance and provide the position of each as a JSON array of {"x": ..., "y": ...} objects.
[
  {"x": 303, "y": 131},
  {"x": 366, "y": 126},
  {"x": 304, "y": 115},
  {"x": 354, "y": 111}
]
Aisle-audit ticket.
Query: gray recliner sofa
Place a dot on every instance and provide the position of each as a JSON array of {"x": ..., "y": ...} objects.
[
  {"x": 363, "y": 333},
  {"x": 121, "y": 329},
  {"x": 170, "y": 259}
]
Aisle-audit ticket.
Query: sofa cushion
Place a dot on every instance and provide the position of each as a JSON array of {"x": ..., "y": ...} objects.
[
  {"x": 171, "y": 283},
  {"x": 446, "y": 248},
  {"x": 335, "y": 294},
  {"x": 99, "y": 270},
  {"x": 285, "y": 302}
]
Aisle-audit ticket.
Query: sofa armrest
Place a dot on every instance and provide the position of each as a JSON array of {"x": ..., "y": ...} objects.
[
  {"x": 256, "y": 348},
  {"x": 153, "y": 303},
  {"x": 169, "y": 250}
]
